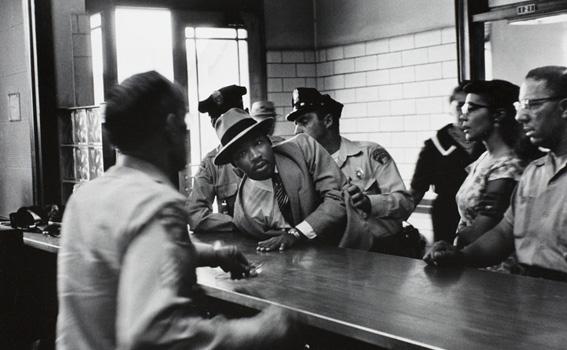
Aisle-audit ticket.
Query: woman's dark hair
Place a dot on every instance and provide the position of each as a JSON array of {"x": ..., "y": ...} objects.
[
  {"x": 502, "y": 94},
  {"x": 137, "y": 108}
]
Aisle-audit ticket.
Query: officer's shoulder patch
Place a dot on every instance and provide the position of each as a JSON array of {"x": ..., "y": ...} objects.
[{"x": 380, "y": 155}]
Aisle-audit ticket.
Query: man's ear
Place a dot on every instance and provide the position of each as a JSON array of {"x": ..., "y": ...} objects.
[
  {"x": 171, "y": 126},
  {"x": 328, "y": 120},
  {"x": 563, "y": 107}
]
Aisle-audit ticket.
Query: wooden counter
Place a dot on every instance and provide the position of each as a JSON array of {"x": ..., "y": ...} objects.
[
  {"x": 396, "y": 302},
  {"x": 392, "y": 302}
]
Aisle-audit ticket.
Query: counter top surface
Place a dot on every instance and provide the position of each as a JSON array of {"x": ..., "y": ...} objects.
[{"x": 391, "y": 301}]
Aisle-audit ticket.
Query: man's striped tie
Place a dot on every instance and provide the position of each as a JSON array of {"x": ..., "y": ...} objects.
[{"x": 282, "y": 198}]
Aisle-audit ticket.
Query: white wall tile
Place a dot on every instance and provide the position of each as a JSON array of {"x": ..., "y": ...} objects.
[
  {"x": 378, "y": 77},
  {"x": 445, "y": 52},
  {"x": 307, "y": 70},
  {"x": 366, "y": 63},
  {"x": 370, "y": 124},
  {"x": 291, "y": 83},
  {"x": 390, "y": 92},
  {"x": 366, "y": 94},
  {"x": 311, "y": 82},
  {"x": 430, "y": 38},
  {"x": 273, "y": 57},
  {"x": 429, "y": 105},
  {"x": 377, "y": 46},
  {"x": 353, "y": 110},
  {"x": 392, "y": 124},
  {"x": 417, "y": 89},
  {"x": 428, "y": 71},
  {"x": 281, "y": 70},
  {"x": 402, "y": 107},
  {"x": 322, "y": 55},
  {"x": 400, "y": 43},
  {"x": 450, "y": 69},
  {"x": 378, "y": 109},
  {"x": 349, "y": 125},
  {"x": 344, "y": 66},
  {"x": 442, "y": 87},
  {"x": 354, "y": 50},
  {"x": 415, "y": 56},
  {"x": 449, "y": 35},
  {"x": 402, "y": 75},
  {"x": 345, "y": 96},
  {"x": 280, "y": 99},
  {"x": 335, "y": 53},
  {"x": 309, "y": 56},
  {"x": 324, "y": 69},
  {"x": 416, "y": 123},
  {"x": 355, "y": 79},
  {"x": 389, "y": 60},
  {"x": 293, "y": 56},
  {"x": 320, "y": 84},
  {"x": 275, "y": 85},
  {"x": 335, "y": 82}
]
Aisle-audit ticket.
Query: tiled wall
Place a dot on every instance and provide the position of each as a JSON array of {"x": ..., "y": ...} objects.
[{"x": 395, "y": 90}]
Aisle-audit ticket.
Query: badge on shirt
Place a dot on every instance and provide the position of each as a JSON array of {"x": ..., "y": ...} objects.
[{"x": 381, "y": 155}]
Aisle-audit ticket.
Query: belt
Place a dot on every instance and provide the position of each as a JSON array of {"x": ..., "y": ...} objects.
[{"x": 542, "y": 272}]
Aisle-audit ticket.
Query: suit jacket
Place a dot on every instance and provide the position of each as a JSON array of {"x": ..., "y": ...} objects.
[{"x": 313, "y": 183}]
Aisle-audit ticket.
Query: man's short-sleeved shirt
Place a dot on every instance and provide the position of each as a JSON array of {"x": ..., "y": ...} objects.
[{"x": 538, "y": 213}]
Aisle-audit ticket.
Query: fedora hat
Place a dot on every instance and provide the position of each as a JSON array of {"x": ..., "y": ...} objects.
[{"x": 233, "y": 126}]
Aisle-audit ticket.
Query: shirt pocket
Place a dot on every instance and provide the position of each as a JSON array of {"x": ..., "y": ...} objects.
[
  {"x": 369, "y": 186},
  {"x": 225, "y": 191}
]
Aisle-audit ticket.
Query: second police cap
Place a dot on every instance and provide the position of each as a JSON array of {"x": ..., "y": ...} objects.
[
  {"x": 222, "y": 100},
  {"x": 305, "y": 100}
]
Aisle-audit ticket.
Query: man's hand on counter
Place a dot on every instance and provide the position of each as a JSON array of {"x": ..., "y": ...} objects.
[
  {"x": 230, "y": 259},
  {"x": 282, "y": 242},
  {"x": 444, "y": 254}
]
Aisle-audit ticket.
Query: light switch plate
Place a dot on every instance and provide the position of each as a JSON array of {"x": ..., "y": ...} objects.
[{"x": 14, "y": 105}]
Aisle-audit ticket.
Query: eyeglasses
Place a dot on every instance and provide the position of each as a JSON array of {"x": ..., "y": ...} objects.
[
  {"x": 471, "y": 107},
  {"x": 531, "y": 104}
]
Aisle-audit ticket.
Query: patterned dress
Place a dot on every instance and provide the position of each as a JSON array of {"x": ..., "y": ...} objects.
[{"x": 481, "y": 172}]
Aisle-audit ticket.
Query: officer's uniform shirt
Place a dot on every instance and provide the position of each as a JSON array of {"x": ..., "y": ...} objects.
[
  {"x": 369, "y": 166},
  {"x": 212, "y": 181},
  {"x": 537, "y": 216}
]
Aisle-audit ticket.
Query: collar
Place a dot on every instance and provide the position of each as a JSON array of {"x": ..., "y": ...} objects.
[
  {"x": 556, "y": 162},
  {"x": 347, "y": 149},
  {"x": 132, "y": 162}
]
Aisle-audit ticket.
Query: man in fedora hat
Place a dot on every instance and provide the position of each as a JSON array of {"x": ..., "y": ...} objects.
[
  {"x": 215, "y": 181},
  {"x": 376, "y": 187},
  {"x": 290, "y": 192},
  {"x": 126, "y": 267}
]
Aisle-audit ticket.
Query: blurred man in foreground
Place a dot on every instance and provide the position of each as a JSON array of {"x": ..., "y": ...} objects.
[{"x": 126, "y": 267}]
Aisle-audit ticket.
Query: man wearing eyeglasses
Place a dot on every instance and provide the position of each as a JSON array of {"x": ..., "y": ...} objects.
[{"x": 535, "y": 224}]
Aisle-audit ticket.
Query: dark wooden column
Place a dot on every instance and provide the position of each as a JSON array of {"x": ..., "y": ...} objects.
[{"x": 470, "y": 38}]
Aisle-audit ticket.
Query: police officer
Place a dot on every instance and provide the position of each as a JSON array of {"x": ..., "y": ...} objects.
[
  {"x": 220, "y": 181},
  {"x": 376, "y": 187},
  {"x": 265, "y": 109}
]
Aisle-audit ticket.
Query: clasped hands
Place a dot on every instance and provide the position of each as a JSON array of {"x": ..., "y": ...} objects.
[
  {"x": 444, "y": 254},
  {"x": 359, "y": 199}
]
